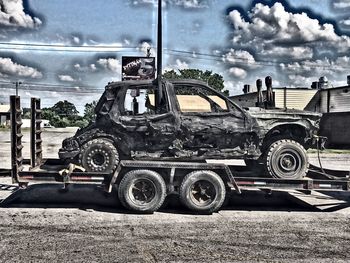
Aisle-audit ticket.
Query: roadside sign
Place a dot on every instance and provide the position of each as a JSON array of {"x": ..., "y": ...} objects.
[{"x": 138, "y": 68}]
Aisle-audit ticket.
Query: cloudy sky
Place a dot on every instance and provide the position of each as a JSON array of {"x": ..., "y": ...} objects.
[{"x": 64, "y": 49}]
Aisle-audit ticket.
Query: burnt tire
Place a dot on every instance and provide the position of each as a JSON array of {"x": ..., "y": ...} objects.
[
  {"x": 99, "y": 155},
  {"x": 202, "y": 191},
  {"x": 142, "y": 191},
  {"x": 286, "y": 159}
]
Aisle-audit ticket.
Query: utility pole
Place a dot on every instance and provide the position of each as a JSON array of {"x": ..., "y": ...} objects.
[
  {"x": 17, "y": 83},
  {"x": 159, "y": 55}
]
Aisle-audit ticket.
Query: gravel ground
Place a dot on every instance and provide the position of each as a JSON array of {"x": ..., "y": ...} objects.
[
  {"x": 83, "y": 225},
  {"x": 78, "y": 235}
]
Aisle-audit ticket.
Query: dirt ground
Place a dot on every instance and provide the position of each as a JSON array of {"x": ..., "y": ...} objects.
[
  {"x": 88, "y": 235},
  {"x": 85, "y": 225}
]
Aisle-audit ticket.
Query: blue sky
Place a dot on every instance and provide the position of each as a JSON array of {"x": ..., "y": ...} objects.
[{"x": 63, "y": 49}]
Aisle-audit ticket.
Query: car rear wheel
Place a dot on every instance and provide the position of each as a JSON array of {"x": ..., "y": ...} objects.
[
  {"x": 202, "y": 191},
  {"x": 286, "y": 159},
  {"x": 99, "y": 155}
]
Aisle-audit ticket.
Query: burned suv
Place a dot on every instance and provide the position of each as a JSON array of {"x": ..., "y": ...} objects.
[{"x": 189, "y": 121}]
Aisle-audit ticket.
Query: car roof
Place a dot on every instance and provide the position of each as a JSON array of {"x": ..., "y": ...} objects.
[{"x": 117, "y": 84}]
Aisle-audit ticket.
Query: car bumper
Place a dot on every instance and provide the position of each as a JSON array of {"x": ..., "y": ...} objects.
[{"x": 64, "y": 155}]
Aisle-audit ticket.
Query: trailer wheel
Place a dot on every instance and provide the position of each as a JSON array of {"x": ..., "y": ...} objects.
[
  {"x": 286, "y": 159},
  {"x": 99, "y": 155},
  {"x": 202, "y": 191},
  {"x": 142, "y": 191}
]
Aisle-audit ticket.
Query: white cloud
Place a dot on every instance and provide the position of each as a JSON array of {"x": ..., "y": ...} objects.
[
  {"x": 301, "y": 81},
  {"x": 341, "y": 4},
  {"x": 234, "y": 87},
  {"x": 111, "y": 64},
  {"x": 12, "y": 15},
  {"x": 144, "y": 47},
  {"x": 238, "y": 72},
  {"x": 93, "y": 67},
  {"x": 317, "y": 67},
  {"x": 178, "y": 64},
  {"x": 291, "y": 46},
  {"x": 78, "y": 67},
  {"x": 10, "y": 68},
  {"x": 76, "y": 40},
  {"x": 190, "y": 4},
  {"x": 295, "y": 53},
  {"x": 240, "y": 57},
  {"x": 66, "y": 78},
  {"x": 181, "y": 64},
  {"x": 274, "y": 25},
  {"x": 345, "y": 22}
]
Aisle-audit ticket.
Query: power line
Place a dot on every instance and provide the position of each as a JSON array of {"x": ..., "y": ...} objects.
[
  {"x": 117, "y": 48},
  {"x": 63, "y": 47},
  {"x": 45, "y": 87},
  {"x": 261, "y": 62}
]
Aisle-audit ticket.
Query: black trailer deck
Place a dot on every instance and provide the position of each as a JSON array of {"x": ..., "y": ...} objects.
[{"x": 39, "y": 170}]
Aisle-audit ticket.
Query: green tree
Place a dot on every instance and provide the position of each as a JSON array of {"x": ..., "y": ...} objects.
[
  {"x": 214, "y": 80},
  {"x": 62, "y": 118},
  {"x": 25, "y": 113},
  {"x": 64, "y": 109},
  {"x": 89, "y": 111}
]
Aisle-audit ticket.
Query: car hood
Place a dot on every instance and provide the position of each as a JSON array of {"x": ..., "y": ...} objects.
[{"x": 266, "y": 119}]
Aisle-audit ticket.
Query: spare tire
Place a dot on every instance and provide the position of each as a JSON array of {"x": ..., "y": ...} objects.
[
  {"x": 99, "y": 155},
  {"x": 286, "y": 159}
]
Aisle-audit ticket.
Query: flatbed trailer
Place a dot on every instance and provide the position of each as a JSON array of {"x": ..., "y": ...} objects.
[{"x": 142, "y": 185}]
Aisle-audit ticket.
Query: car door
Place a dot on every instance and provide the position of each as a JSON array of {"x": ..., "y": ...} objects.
[
  {"x": 148, "y": 130},
  {"x": 211, "y": 126}
]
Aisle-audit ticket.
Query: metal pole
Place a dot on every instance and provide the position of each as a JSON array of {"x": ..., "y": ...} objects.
[
  {"x": 159, "y": 54},
  {"x": 17, "y": 83}
]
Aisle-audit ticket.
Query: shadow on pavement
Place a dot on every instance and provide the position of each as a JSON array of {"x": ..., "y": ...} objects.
[{"x": 92, "y": 197}]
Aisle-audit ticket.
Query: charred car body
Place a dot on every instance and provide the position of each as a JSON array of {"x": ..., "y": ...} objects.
[{"x": 187, "y": 120}]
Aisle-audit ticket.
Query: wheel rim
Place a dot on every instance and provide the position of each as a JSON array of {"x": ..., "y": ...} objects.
[
  {"x": 142, "y": 191},
  {"x": 288, "y": 162},
  {"x": 202, "y": 193},
  {"x": 98, "y": 159}
]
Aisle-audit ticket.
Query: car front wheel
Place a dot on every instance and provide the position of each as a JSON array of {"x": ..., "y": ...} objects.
[{"x": 99, "y": 155}]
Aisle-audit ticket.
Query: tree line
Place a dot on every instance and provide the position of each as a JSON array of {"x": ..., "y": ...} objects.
[{"x": 65, "y": 114}]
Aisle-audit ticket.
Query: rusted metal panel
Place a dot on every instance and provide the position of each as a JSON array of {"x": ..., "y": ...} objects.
[
  {"x": 335, "y": 126},
  {"x": 339, "y": 100}
]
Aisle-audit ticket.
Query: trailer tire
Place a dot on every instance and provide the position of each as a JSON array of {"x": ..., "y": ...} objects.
[
  {"x": 286, "y": 159},
  {"x": 142, "y": 191},
  {"x": 99, "y": 155},
  {"x": 203, "y": 191}
]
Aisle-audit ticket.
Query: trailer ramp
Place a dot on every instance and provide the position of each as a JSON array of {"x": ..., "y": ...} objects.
[
  {"x": 8, "y": 194},
  {"x": 315, "y": 199}
]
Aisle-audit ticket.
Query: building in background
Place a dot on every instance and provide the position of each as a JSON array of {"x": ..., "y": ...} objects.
[
  {"x": 285, "y": 98},
  {"x": 5, "y": 115}
]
